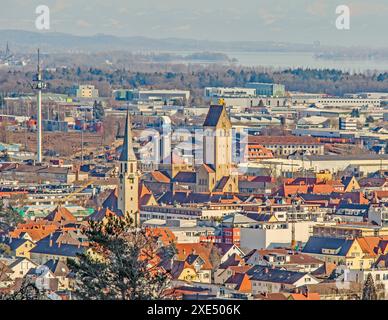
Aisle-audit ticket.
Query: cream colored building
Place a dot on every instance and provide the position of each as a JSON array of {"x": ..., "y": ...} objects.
[{"x": 87, "y": 91}]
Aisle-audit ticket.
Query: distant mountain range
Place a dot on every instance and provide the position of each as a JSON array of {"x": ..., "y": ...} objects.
[{"x": 53, "y": 42}]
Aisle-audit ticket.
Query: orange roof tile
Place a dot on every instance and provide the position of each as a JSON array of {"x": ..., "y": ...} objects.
[
  {"x": 160, "y": 177},
  {"x": 203, "y": 250},
  {"x": 370, "y": 245},
  {"x": 308, "y": 296},
  {"x": 61, "y": 214}
]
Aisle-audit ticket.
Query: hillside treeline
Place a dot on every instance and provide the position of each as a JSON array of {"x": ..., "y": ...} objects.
[{"x": 193, "y": 77}]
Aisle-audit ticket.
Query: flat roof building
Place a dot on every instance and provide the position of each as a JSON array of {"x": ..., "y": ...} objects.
[{"x": 268, "y": 89}]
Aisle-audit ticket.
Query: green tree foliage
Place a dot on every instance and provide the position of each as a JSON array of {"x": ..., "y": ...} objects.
[
  {"x": 334, "y": 82},
  {"x": 98, "y": 110},
  {"x": 369, "y": 119},
  {"x": 28, "y": 291},
  {"x": 355, "y": 113},
  {"x": 369, "y": 289},
  {"x": 9, "y": 217},
  {"x": 120, "y": 263}
]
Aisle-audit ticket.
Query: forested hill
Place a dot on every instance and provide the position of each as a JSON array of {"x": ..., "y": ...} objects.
[{"x": 195, "y": 78}]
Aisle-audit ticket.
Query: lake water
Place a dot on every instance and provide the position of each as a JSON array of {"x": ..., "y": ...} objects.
[{"x": 281, "y": 60}]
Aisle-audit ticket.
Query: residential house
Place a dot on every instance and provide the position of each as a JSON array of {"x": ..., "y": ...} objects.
[
  {"x": 340, "y": 251},
  {"x": 271, "y": 280},
  {"x": 283, "y": 258}
]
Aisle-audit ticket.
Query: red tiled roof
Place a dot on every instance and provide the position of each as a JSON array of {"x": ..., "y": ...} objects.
[
  {"x": 160, "y": 177},
  {"x": 308, "y": 296},
  {"x": 62, "y": 215},
  {"x": 265, "y": 140},
  {"x": 202, "y": 250}
]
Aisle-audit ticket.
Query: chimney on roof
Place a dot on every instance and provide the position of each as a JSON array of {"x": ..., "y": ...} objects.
[
  {"x": 266, "y": 270},
  {"x": 51, "y": 242}
]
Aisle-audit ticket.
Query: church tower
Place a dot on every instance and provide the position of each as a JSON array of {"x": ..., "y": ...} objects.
[
  {"x": 218, "y": 141},
  {"x": 128, "y": 195},
  {"x": 217, "y": 153}
]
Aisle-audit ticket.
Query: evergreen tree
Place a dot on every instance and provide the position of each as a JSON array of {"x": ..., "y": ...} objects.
[
  {"x": 120, "y": 264},
  {"x": 369, "y": 119},
  {"x": 355, "y": 113},
  {"x": 98, "y": 110},
  {"x": 9, "y": 217},
  {"x": 28, "y": 291},
  {"x": 369, "y": 289}
]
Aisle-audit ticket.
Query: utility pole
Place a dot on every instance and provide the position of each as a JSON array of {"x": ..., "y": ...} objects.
[
  {"x": 39, "y": 86},
  {"x": 82, "y": 144}
]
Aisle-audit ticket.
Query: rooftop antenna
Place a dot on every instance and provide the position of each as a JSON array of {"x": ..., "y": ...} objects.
[{"x": 39, "y": 86}]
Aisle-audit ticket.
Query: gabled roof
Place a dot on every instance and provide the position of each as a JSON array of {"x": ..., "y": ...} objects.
[
  {"x": 195, "y": 249},
  {"x": 373, "y": 182},
  {"x": 208, "y": 168},
  {"x": 265, "y": 274},
  {"x": 295, "y": 257},
  {"x": 308, "y": 296},
  {"x": 111, "y": 201},
  {"x": 103, "y": 213},
  {"x": 36, "y": 230},
  {"x": 241, "y": 282},
  {"x": 222, "y": 183},
  {"x": 232, "y": 261},
  {"x": 238, "y": 218},
  {"x": 213, "y": 116},
  {"x": 290, "y": 189},
  {"x": 315, "y": 245},
  {"x": 347, "y": 180},
  {"x": 61, "y": 214},
  {"x": 261, "y": 217},
  {"x": 186, "y": 177},
  {"x": 160, "y": 176},
  {"x": 178, "y": 267},
  {"x": 15, "y": 261},
  {"x": 373, "y": 246},
  {"x": 49, "y": 245},
  {"x": 224, "y": 248},
  {"x": 57, "y": 267},
  {"x": 324, "y": 270},
  {"x": 13, "y": 243},
  {"x": 163, "y": 234}
]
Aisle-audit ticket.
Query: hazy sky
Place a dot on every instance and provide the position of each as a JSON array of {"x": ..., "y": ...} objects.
[{"x": 283, "y": 20}]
